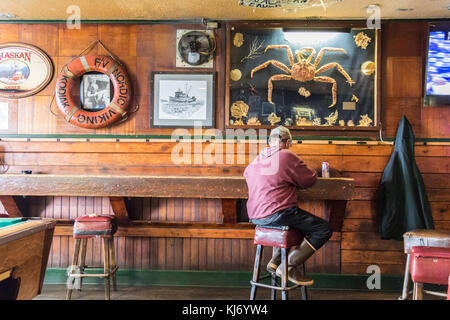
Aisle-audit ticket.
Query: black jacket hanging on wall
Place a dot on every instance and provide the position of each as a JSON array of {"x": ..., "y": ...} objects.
[{"x": 402, "y": 198}]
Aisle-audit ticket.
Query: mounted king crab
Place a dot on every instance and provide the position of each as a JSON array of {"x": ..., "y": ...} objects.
[{"x": 303, "y": 70}]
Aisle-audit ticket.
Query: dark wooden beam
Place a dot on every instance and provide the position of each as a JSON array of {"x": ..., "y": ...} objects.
[
  {"x": 14, "y": 206},
  {"x": 229, "y": 210},
  {"x": 334, "y": 213},
  {"x": 120, "y": 210}
]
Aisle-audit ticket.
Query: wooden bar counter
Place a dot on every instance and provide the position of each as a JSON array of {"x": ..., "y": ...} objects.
[
  {"x": 333, "y": 193},
  {"x": 212, "y": 187}
]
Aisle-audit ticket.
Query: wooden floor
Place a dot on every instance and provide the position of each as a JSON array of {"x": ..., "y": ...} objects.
[{"x": 96, "y": 292}]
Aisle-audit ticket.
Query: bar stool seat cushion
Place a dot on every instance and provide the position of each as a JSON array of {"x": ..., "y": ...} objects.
[
  {"x": 430, "y": 264},
  {"x": 94, "y": 226},
  {"x": 277, "y": 237},
  {"x": 425, "y": 237}
]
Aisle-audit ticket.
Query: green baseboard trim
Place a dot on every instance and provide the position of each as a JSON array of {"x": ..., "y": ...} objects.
[{"x": 229, "y": 279}]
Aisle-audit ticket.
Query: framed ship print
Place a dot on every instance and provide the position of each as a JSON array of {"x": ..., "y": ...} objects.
[
  {"x": 182, "y": 100},
  {"x": 24, "y": 70},
  {"x": 306, "y": 77}
]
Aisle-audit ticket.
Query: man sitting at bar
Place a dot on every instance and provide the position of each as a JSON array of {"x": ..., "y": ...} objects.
[{"x": 273, "y": 179}]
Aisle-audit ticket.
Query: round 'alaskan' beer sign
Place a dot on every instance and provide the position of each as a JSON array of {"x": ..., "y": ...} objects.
[{"x": 24, "y": 70}]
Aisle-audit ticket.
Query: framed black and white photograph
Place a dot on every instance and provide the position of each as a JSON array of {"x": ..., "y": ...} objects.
[
  {"x": 182, "y": 100},
  {"x": 95, "y": 91}
]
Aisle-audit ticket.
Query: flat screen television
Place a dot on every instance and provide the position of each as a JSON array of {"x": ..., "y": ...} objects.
[{"x": 437, "y": 77}]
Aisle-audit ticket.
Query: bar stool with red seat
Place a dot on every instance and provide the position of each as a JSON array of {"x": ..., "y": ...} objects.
[
  {"x": 429, "y": 265},
  {"x": 90, "y": 227},
  {"x": 421, "y": 237},
  {"x": 283, "y": 238}
]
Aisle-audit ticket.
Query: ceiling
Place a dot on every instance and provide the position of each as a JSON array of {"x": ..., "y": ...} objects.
[{"x": 214, "y": 10}]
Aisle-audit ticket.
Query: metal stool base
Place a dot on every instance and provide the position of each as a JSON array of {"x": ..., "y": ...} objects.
[{"x": 274, "y": 287}]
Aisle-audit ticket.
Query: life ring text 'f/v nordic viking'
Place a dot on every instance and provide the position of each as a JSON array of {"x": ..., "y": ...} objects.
[{"x": 119, "y": 104}]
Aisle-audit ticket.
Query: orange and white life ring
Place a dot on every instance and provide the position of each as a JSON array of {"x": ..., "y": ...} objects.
[{"x": 119, "y": 104}]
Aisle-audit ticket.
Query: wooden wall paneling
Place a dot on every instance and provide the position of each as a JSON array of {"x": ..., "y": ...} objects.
[
  {"x": 152, "y": 253},
  {"x": 186, "y": 253},
  {"x": 34, "y": 116},
  {"x": 366, "y": 210},
  {"x": 187, "y": 210},
  {"x": 120, "y": 161},
  {"x": 171, "y": 210},
  {"x": 210, "y": 254},
  {"x": 194, "y": 263},
  {"x": 45, "y": 37},
  {"x": 203, "y": 211},
  {"x": 9, "y": 32},
  {"x": 56, "y": 252},
  {"x": 405, "y": 77},
  {"x": 373, "y": 257},
  {"x": 161, "y": 249},
  {"x": 235, "y": 254},
  {"x": 440, "y": 210},
  {"x": 162, "y": 212},
  {"x": 73, "y": 41},
  {"x": 179, "y": 209},
  {"x": 66, "y": 257},
  {"x": 170, "y": 253},
  {"x": 120, "y": 256},
  {"x": 435, "y": 122},
  {"x": 226, "y": 254},
  {"x": 218, "y": 255},
  {"x": 177, "y": 251},
  {"x": 137, "y": 253},
  {"x": 202, "y": 260},
  {"x": 120, "y": 39}
]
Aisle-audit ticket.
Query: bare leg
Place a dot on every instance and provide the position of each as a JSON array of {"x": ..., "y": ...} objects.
[
  {"x": 276, "y": 63},
  {"x": 270, "y": 85},
  {"x": 281, "y": 46},
  {"x": 333, "y": 89},
  {"x": 299, "y": 54},
  {"x": 322, "y": 51},
  {"x": 330, "y": 65}
]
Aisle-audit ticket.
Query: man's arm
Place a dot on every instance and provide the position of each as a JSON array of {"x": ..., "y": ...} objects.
[{"x": 298, "y": 172}]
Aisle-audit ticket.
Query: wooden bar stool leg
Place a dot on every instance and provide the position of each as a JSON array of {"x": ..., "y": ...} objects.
[
  {"x": 304, "y": 290},
  {"x": 112, "y": 255},
  {"x": 106, "y": 268},
  {"x": 82, "y": 260},
  {"x": 418, "y": 291},
  {"x": 70, "y": 280},
  {"x": 256, "y": 267},
  {"x": 404, "y": 295},
  {"x": 284, "y": 278}
]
